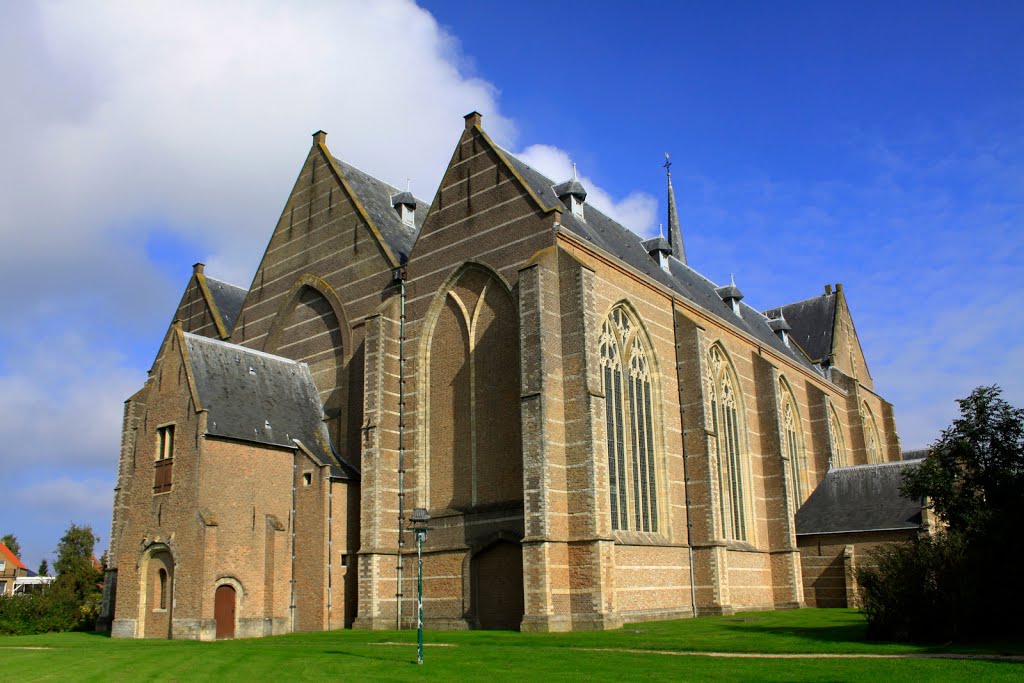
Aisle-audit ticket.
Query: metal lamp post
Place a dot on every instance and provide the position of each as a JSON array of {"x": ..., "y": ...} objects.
[{"x": 418, "y": 524}]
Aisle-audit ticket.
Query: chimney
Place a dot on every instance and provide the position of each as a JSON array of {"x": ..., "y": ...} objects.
[
  {"x": 473, "y": 118},
  {"x": 197, "y": 268},
  {"x": 319, "y": 138},
  {"x": 828, "y": 290}
]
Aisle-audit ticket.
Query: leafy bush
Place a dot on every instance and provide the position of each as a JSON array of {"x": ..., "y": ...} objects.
[{"x": 959, "y": 585}]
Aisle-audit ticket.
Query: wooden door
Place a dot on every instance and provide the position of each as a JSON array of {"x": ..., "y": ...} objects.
[
  {"x": 497, "y": 576},
  {"x": 224, "y": 612}
]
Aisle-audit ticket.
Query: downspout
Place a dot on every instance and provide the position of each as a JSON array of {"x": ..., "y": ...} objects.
[
  {"x": 291, "y": 600},
  {"x": 686, "y": 471},
  {"x": 330, "y": 548},
  {"x": 399, "y": 274}
]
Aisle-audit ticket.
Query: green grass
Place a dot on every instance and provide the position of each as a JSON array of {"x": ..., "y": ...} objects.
[{"x": 501, "y": 656}]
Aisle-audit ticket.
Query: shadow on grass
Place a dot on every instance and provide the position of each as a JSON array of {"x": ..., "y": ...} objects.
[{"x": 393, "y": 660}]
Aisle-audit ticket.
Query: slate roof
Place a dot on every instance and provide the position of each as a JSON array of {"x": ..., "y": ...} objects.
[
  {"x": 255, "y": 396},
  {"x": 860, "y": 498},
  {"x": 619, "y": 241},
  {"x": 811, "y": 322},
  {"x": 375, "y": 196},
  {"x": 228, "y": 298}
]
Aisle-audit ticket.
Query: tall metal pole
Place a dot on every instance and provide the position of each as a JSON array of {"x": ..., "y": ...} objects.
[{"x": 419, "y": 596}]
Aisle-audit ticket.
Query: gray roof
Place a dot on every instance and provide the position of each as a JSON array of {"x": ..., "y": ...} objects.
[
  {"x": 375, "y": 196},
  {"x": 406, "y": 198},
  {"x": 730, "y": 291},
  {"x": 811, "y": 321},
  {"x": 255, "y": 396},
  {"x": 619, "y": 241},
  {"x": 229, "y": 299},
  {"x": 779, "y": 324},
  {"x": 658, "y": 243},
  {"x": 916, "y": 454},
  {"x": 570, "y": 187},
  {"x": 861, "y": 498}
]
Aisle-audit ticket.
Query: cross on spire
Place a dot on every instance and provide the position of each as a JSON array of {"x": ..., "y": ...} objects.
[{"x": 675, "y": 234}]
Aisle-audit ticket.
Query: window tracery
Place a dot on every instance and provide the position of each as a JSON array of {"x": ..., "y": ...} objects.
[
  {"x": 629, "y": 405},
  {"x": 726, "y": 423}
]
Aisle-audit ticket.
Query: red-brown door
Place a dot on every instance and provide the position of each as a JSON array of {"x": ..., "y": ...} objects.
[{"x": 224, "y": 611}]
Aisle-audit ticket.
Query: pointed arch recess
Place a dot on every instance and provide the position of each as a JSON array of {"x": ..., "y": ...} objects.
[
  {"x": 872, "y": 440},
  {"x": 633, "y": 420},
  {"x": 729, "y": 423},
  {"x": 470, "y": 429},
  {"x": 837, "y": 442}
]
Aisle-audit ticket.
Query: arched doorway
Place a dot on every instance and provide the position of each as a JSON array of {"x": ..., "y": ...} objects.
[
  {"x": 224, "y": 611},
  {"x": 497, "y": 586},
  {"x": 157, "y": 603}
]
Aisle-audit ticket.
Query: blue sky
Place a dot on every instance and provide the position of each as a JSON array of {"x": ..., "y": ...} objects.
[{"x": 880, "y": 145}]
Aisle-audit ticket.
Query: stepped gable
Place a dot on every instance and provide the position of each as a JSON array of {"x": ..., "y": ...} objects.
[
  {"x": 228, "y": 299},
  {"x": 259, "y": 397},
  {"x": 860, "y": 498},
  {"x": 622, "y": 243},
  {"x": 376, "y": 197},
  {"x": 812, "y": 322}
]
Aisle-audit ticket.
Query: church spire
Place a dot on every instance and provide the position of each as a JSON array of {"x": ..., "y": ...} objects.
[{"x": 675, "y": 234}]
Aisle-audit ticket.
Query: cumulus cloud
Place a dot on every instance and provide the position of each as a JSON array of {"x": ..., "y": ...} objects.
[
  {"x": 635, "y": 210},
  {"x": 128, "y": 127}
]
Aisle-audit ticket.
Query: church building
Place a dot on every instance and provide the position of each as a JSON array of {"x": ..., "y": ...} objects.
[{"x": 599, "y": 434}]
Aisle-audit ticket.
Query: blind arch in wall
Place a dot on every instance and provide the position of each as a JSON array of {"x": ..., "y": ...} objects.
[
  {"x": 836, "y": 439},
  {"x": 872, "y": 441}
]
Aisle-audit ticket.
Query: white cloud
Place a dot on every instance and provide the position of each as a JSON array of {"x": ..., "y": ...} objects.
[
  {"x": 122, "y": 120},
  {"x": 636, "y": 210}
]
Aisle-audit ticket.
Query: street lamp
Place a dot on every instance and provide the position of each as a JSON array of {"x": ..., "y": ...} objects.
[{"x": 418, "y": 525}]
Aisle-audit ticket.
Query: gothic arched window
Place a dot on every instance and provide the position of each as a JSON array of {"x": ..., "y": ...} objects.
[
  {"x": 836, "y": 440},
  {"x": 629, "y": 404},
  {"x": 722, "y": 388},
  {"x": 871, "y": 440},
  {"x": 793, "y": 442}
]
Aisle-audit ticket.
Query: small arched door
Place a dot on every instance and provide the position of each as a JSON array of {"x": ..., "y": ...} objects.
[
  {"x": 497, "y": 584},
  {"x": 224, "y": 611}
]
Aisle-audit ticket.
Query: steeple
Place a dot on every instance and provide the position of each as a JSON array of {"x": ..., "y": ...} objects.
[{"x": 675, "y": 234}]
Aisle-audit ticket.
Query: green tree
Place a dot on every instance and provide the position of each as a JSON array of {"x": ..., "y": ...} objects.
[
  {"x": 74, "y": 564},
  {"x": 11, "y": 541},
  {"x": 959, "y": 585},
  {"x": 974, "y": 477},
  {"x": 44, "y": 568}
]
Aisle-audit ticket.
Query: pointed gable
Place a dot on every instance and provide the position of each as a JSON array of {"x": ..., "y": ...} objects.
[{"x": 811, "y": 322}]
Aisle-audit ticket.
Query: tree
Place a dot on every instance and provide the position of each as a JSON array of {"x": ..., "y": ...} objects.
[
  {"x": 11, "y": 541},
  {"x": 74, "y": 563},
  {"x": 44, "y": 568},
  {"x": 975, "y": 475},
  {"x": 959, "y": 585}
]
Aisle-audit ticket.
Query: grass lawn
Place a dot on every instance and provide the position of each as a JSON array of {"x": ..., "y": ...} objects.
[{"x": 500, "y": 655}]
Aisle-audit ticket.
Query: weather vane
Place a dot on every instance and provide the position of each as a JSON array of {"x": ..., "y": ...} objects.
[{"x": 668, "y": 164}]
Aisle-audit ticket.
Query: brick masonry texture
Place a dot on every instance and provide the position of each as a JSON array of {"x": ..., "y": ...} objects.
[{"x": 503, "y": 436}]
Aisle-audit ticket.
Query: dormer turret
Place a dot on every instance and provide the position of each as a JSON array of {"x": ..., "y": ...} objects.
[
  {"x": 572, "y": 194},
  {"x": 731, "y": 295},
  {"x": 780, "y": 327},
  {"x": 659, "y": 249},
  {"x": 405, "y": 205}
]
